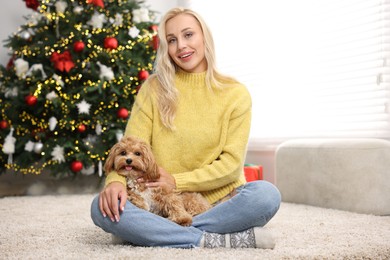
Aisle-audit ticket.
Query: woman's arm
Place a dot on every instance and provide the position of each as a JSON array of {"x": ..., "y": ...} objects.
[
  {"x": 227, "y": 167},
  {"x": 115, "y": 184}
]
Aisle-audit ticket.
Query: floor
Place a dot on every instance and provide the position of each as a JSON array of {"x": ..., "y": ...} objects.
[{"x": 16, "y": 184}]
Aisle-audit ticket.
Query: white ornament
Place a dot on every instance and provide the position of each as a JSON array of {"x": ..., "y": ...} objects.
[
  {"x": 34, "y": 68},
  {"x": 141, "y": 15},
  {"x": 78, "y": 10},
  {"x": 98, "y": 129},
  {"x": 25, "y": 35},
  {"x": 9, "y": 145},
  {"x": 119, "y": 135},
  {"x": 133, "y": 32},
  {"x": 58, "y": 80},
  {"x": 58, "y": 154},
  {"x": 84, "y": 107},
  {"x": 11, "y": 92},
  {"x": 100, "y": 169},
  {"x": 21, "y": 67},
  {"x": 105, "y": 72},
  {"x": 29, "y": 146},
  {"x": 34, "y": 18},
  {"x": 38, "y": 147},
  {"x": 51, "y": 95},
  {"x": 118, "y": 21},
  {"x": 52, "y": 123},
  {"x": 97, "y": 20},
  {"x": 61, "y": 6}
]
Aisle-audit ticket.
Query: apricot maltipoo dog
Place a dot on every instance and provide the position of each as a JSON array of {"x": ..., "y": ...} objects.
[{"x": 134, "y": 159}]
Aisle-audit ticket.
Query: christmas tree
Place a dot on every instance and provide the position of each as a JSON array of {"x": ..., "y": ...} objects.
[{"x": 75, "y": 67}]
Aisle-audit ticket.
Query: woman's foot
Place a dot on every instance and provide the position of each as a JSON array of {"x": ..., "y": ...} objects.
[{"x": 257, "y": 237}]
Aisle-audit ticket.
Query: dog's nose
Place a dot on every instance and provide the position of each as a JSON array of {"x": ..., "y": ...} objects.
[{"x": 129, "y": 161}]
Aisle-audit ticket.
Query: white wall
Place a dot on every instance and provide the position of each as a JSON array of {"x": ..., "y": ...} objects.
[{"x": 12, "y": 17}]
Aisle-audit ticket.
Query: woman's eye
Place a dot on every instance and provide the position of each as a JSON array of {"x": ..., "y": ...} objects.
[
  {"x": 188, "y": 34},
  {"x": 123, "y": 153},
  {"x": 137, "y": 153},
  {"x": 172, "y": 40}
]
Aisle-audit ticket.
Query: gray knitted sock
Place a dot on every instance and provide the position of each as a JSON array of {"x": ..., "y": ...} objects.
[{"x": 257, "y": 237}]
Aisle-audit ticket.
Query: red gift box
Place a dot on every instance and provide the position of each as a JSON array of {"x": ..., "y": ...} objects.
[{"x": 253, "y": 172}]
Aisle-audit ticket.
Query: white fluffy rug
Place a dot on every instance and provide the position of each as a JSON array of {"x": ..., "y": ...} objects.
[{"x": 59, "y": 227}]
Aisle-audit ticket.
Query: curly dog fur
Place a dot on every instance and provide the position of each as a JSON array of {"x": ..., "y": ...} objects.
[{"x": 133, "y": 159}]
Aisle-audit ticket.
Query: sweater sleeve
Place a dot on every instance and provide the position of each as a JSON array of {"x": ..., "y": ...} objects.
[
  {"x": 227, "y": 167},
  {"x": 141, "y": 117}
]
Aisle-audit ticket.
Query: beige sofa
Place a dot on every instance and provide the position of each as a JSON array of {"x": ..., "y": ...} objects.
[{"x": 345, "y": 174}]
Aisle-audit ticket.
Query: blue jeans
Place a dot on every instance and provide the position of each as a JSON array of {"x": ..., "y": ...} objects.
[{"x": 254, "y": 205}]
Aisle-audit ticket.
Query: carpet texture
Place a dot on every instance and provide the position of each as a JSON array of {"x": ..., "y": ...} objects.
[{"x": 59, "y": 227}]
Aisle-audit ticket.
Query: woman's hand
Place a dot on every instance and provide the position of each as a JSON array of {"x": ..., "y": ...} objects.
[
  {"x": 108, "y": 200},
  {"x": 166, "y": 181}
]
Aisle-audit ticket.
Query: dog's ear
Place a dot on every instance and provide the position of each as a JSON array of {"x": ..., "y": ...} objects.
[
  {"x": 109, "y": 164},
  {"x": 151, "y": 164}
]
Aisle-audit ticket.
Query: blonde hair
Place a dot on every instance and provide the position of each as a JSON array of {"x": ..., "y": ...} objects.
[{"x": 165, "y": 68}]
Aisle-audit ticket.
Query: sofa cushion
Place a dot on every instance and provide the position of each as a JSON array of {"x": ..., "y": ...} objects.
[{"x": 346, "y": 174}]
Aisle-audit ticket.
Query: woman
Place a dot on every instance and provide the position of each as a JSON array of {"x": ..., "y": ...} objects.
[{"x": 197, "y": 122}]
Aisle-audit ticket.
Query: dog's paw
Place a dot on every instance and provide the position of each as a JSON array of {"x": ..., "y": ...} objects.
[
  {"x": 183, "y": 220},
  {"x": 140, "y": 203}
]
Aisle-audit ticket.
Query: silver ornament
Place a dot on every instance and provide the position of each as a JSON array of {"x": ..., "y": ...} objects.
[
  {"x": 38, "y": 147},
  {"x": 25, "y": 35}
]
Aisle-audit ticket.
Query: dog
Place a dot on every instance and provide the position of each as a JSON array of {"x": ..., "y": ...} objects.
[{"x": 133, "y": 159}]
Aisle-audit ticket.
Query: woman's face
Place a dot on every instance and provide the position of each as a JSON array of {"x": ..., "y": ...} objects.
[{"x": 185, "y": 43}]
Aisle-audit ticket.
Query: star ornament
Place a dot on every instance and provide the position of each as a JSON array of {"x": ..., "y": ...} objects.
[
  {"x": 29, "y": 146},
  {"x": 51, "y": 95},
  {"x": 133, "y": 32},
  {"x": 58, "y": 154},
  {"x": 84, "y": 107},
  {"x": 97, "y": 20},
  {"x": 141, "y": 15}
]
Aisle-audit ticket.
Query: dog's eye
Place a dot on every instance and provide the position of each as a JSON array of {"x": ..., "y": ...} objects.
[
  {"x": 137, "y": 153},
  {"x": 123, "y": 153}
]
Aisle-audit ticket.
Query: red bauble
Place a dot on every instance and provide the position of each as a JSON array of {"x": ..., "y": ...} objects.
[
  {"x": 110, "y": 43},
  {"x": 81, "y": 128},
  {"x": 78, "y": 46},
  {"x": 3, "y": 124},
  {"x": 143, "y": 74},
  {"x": 154, "y": 27},
  {"x": 155, "y": 42},
  {"x": 31, "y": 100},
  {"x": 76, "y": 166},
  {"x": 122, "y": 113}
]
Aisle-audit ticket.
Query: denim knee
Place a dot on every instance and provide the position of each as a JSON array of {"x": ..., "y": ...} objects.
[
  {"x": 96, "y": 215},
  {"x": 266, "y": 196}
]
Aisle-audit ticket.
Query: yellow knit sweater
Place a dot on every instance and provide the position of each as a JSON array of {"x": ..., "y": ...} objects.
[{"x": 206, "y": 151}]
